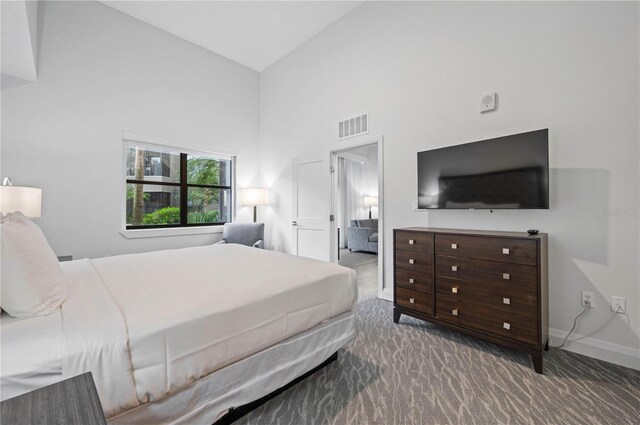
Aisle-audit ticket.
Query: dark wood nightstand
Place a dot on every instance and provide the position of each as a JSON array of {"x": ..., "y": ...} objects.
[{"x": 72, "y": 401}]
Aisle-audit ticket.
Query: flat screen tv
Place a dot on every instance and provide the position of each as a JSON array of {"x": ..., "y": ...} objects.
[{"x": 507, "y": 172}]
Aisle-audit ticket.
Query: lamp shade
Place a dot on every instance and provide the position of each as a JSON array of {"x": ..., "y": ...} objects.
[
  {"x": 370, "y": 201},
  {"x": 253, "y": 197},
  {"x": 27, "y": 200}
]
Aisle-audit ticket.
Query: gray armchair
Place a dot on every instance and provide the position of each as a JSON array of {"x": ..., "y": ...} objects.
[
  {"x": 249, "y": 234},
  {"x": 362, "y": 235}
]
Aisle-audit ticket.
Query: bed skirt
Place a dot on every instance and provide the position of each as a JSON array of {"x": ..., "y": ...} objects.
[{"x": 209, "y": 398}]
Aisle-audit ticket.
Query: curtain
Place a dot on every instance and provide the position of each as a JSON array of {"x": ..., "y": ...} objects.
[{"x": 351, "y": 191}]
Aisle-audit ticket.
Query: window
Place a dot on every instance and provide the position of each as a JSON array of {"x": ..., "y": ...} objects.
[{"x": 170, "y": 188}]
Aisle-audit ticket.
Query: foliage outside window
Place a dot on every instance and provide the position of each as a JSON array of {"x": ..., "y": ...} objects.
[{"x": 169, "y": 188}]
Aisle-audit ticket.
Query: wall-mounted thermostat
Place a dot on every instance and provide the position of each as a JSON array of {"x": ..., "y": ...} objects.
[{"x": 488, "y": 102}]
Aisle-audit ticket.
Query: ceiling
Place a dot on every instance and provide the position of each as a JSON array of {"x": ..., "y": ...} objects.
[
  {"x": 253, "y": 33},
  {"x": 18, "y": 20}
]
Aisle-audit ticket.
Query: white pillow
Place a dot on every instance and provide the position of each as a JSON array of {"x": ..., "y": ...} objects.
[{"x": 32, "y": 281}]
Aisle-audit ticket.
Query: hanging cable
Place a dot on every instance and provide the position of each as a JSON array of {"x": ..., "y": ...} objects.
[{"x": 573, "y": 328}]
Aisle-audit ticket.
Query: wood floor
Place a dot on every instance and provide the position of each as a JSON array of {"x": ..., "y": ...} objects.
[{"x": 366, "y": 266}]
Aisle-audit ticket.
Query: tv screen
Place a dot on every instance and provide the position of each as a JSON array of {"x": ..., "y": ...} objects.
[{"x": 502, "y": 173}]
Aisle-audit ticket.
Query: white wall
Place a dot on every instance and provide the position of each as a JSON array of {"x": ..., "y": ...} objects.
[
  {"x": 420, "y": 70},
  {"x": 371, "y": 177},
  {"x": 102, "y": 72}
]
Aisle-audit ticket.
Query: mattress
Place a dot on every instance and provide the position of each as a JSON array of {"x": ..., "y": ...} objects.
[
  {"x": 31, "y": 353},
  {"x": 151, "y": 325}
]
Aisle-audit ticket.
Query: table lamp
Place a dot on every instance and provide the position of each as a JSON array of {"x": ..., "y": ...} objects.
[
  {"x": 370, "y": 201},
  {"x": 253, "y": 198},
  {"x": 27, "y": 200}
]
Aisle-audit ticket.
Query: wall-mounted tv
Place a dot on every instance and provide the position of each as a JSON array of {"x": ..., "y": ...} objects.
[{"x": 507, "y": 172}]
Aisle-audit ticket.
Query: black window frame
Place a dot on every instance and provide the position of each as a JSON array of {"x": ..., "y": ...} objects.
[{"x": 184, "y": 191}]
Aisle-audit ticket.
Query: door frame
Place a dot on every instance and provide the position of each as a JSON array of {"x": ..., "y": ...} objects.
[{"x": 334, "y": 150}]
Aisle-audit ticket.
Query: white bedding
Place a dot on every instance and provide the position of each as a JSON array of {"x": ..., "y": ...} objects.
[
  {"x": 244, "y": 381},
  {"x": 31, "y": 353},
  {"x": 148, "y": 325}
]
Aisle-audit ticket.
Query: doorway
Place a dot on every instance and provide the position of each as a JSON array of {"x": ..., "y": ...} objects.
[{"x": 357, "y": 205}]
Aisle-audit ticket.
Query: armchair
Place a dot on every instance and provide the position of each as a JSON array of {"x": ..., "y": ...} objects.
[
  {"x": 362, "y": 235},
  {"x": 249, "y": 234}
]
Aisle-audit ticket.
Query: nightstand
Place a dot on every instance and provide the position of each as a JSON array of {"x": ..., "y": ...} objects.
[{"x": 72, "y": 401}]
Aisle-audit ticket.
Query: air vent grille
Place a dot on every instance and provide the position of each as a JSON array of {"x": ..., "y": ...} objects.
[{"x": 353, "y": 126}]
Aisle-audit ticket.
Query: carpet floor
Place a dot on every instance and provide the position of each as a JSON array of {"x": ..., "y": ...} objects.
[{"x": 418, "y": 373}]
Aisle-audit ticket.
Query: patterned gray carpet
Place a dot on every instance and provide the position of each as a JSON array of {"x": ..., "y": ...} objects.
[{"x": 416, "y": 373}]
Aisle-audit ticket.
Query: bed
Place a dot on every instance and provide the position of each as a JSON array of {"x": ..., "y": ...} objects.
[{"x": 182, "y": 336}]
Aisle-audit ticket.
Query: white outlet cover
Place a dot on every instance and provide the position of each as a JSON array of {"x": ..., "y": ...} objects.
[
  {"x": 621, "y": 301},
  {"x": 587, "y": 296}
]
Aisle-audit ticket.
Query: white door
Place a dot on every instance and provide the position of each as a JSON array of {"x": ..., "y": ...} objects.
[{"x": 311, "y": 205}]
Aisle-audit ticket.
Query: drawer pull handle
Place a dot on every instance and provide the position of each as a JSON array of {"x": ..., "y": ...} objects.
[
  {"x": 454, "y": 268},
  {"x": 411, "y": 241},
  {"x": 412, "y": 300},
  {"x": 506, "y": 276},
  {"x": 410, "y": 280},
  {"x": 505, "y": 251},
  {"x": 454, "y": 312},
  {"x": 411, "y": 260},
  {"x": 506, "y": 326},
  {"x": 454, "y": 246},
  {"x": 454, "y": 290},
  {"x": 506, "y": 300}
]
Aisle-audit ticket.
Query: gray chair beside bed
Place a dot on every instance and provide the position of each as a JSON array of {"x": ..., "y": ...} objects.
[
  {"x": 249, "y": 234},
  {"x": 362, "y": 235}
]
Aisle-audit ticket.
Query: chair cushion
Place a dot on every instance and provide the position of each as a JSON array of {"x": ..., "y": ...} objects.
[
  {"x": 365, "y": 223},
  {"x": 373, "y": 237}
]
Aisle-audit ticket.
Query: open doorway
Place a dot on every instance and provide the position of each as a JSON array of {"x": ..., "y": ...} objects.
[{"x": 357, "y": 206}]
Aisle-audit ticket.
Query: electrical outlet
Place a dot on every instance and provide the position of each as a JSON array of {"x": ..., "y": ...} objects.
[
  {"x": 587, "y": 299},
  {"x": 618, "y": 304}
]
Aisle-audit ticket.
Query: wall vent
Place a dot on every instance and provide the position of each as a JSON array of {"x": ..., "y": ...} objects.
[{"x": 353, "y": 126}]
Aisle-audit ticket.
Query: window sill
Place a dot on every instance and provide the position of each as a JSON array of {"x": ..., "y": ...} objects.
[{"x": 177, "y": 231}]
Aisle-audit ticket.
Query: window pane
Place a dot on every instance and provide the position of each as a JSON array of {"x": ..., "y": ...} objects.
[
  {"x": 203, "y": 170},
  {"x": 208, "y": 205},
  {"x": 157, "y": 164},
  {"x": 152, "y": 204}
]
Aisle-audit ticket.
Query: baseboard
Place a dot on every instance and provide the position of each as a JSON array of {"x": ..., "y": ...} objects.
[{"x": 598, "y": 349}]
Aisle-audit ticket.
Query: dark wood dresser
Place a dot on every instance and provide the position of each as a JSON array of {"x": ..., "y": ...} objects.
[{"x": 490, "y": 285}]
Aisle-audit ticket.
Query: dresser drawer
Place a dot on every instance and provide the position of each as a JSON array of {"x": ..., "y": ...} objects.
[
  {"x": 414, "y": 261},
  {"x": 490, "y": 272},
  {"x": 508, "y": 250},
  {"x": 414, "y": 300},
  {"x": 414, "y": 241},
  {"x": 499, "y": 296},
  {"x": 422, "y": 282},
  {"x": 484, "y": 319}
]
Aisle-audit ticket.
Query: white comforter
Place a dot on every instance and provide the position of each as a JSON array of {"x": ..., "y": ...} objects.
[{"x": 150, "y": 324}]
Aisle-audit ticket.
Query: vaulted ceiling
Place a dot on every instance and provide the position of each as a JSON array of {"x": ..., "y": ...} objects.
[{"x": 253, "y": 33}]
